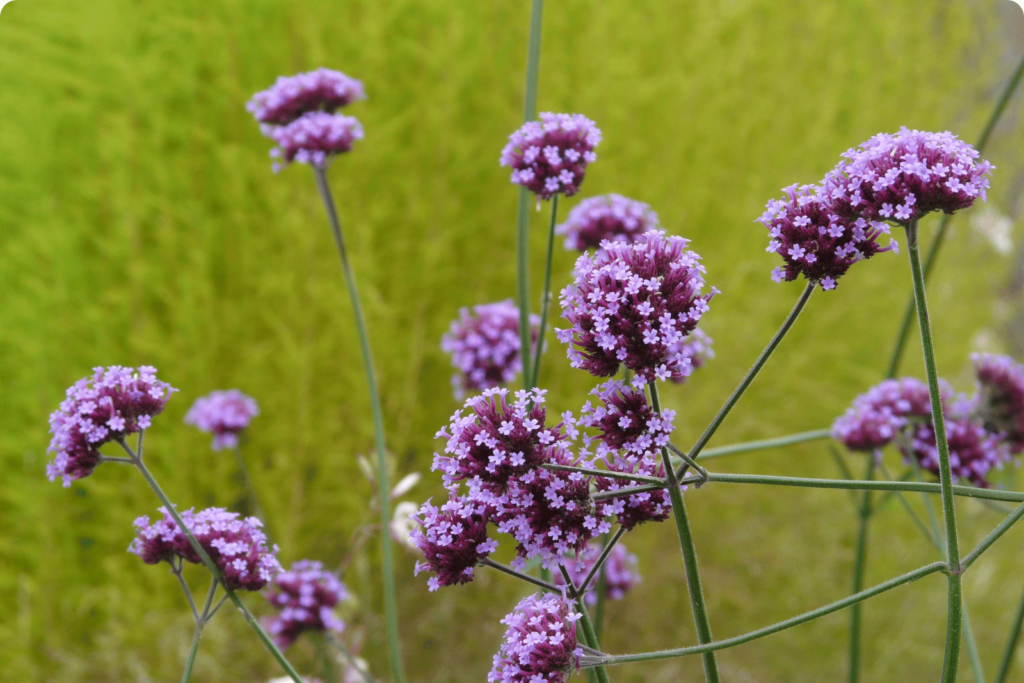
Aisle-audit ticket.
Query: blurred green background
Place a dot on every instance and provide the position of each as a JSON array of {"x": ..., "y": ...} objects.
[{"x": 140, "y": 224}]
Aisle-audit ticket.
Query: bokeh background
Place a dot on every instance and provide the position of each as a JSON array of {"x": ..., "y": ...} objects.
[{"x": 140, "y": 223}]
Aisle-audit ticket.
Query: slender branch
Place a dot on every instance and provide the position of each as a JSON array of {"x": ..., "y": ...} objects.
[
  {"x": 188, "y": 593},
  {"x": 609, "y": 474},
  {"x": 994, "y": 536},
  {"x": 585, "y": 624},
  {"x": 690, "y": 462},
  {"x": 605, "y": 552},
  {"x": 782, "y": 625},
  {"x": 858, "y": 573},
  {"x": 689, "y": 550},
  {"x": 349, "y": 657},
  {"x": 1006, "y": 661},
  {"x": 216, "y": 608},
  {"x": 752, "y": 373},
  {"x": 764, "y": 444},
  {"x": 257, "y": 509},
  {"x": 524, "y": 577},
  {"x": 972, "y": 649},
  {"x": 929, "y": 534},
  {"x": 387, "y": 561},
  {"x": 114, "y": 458},
  {"x": 192, "y": 652},
  {"x": 546, "y": 296},
  {"x": 601, "y": 588}
]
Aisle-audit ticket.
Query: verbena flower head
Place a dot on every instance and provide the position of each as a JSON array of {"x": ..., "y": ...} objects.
[
  {"x": 540, "y": 644},
  {"x": 902, "y": 177},
  {"x": 973, "y": 450},
  {"x": 237, "y": 546},
  {"x": 637, "y": 508},
  {"x": 876, "y": 417},
  {"x": 485, "y": 346},
  {"x": 633, "y": 304},
  {"x": 292, "y": 96},
  {"x": 814, "y": 241},
  {"x": 453, "y": 540},
  {"x": 306, "y": 596},
  {"x": 626, "y": 422},
  {"x": 551, "y": 155},
  {"x": 492, "y": 440},
  {"x": 112, "y": 403},
  {"x": 619, "y": 572},
  {"x": 698, "y": 348},
  {"x": 224, "y": 414},
  {"x": 606, "y": 217},
  {"x": 1000, "y": 399},
  {"x": 314, "y": 138}
]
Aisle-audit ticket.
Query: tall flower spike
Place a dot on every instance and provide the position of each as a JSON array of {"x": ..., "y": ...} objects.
[
  {"x": 619, "y": 572},
  {"x": 1000, "y": 400},
  {"x": 225, "y": 414},
  {"x": 633, "y": 304},
  {"x": 109, "y": 405},
  {"x": 697, "y": 348},
  {"x": 814, "y": 241},
  {"x": 540, "y": 644},
  {"x": 485, "y": 346},
  {"x": 292, "y": 96},
  {"x": 314, "y": 138},
  {"x": 606, "y": 217},
  {"x": 902, "y": 177},
  {"x": 306, "y": 596},
  {"x": 453, "y": 540},
  {"x": 551, "y": 155},
  {"x": 877, "y": 416},
  {"x": 237, "y": 546}
]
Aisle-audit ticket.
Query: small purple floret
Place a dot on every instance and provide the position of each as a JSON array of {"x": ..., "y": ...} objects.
[
  {"x": 697, "y": 347},
  {"x": 453, "y": 540},
  {"x": 314, "y": 138},
  {"x": 292, "y": 96},
  {"x": 551, "y": 156},
  {"x": 973, "y": 450},
  {"x": 109, "y": 405},
  {"x": 606, "y": 217},
  {"x": 224, "y": 414},
  {"x": 540, "y": 644},
  {"x": 618, "y": 570},
  {"x": 306, "y": 596},
  {"x": 877, "y": 416},
  {"x": 1000, "y": 400}
]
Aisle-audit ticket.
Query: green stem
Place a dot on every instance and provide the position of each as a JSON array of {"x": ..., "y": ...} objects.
[
  {"x": 782, "y": 625},
  {"x": 972, "y": 649},
  {"x": 545, "y": 300},
  {"x": 193, "y": 650},
  {"x": 933, "y": 250},
  {"x": 752, "y": 373},
  {"x": 608, "y": 474},
  {"x": 605, "y": 552},
  {"x": 387, "y": 561},
  {"x": 211, "y": 566},
  {"x": 954, "y": 619},
  {"x": 931, "y": 535},
  {"x": 550, "y": 587},
  {"x": 858, "y": 573},
  {"x": 994, "y": 536},
  {"x": 763, "y": 444},
  {"x": 254, "y": 502},
  {"x": 1011, "y": 644},
  {"x": 700, "y": 611},
  {"x": 602, "y": 586},
  {"x": 589, "y": 636},
  {"x": 523, "y": 208},
  {"x": 349, "y": 657}
]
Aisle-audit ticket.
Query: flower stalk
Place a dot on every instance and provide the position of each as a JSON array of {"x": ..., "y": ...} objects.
[
  {"x": 546, "y": 296},
  {"x": 858, "y": 573}
]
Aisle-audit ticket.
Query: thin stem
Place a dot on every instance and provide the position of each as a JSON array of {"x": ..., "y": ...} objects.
[
  {"x": 387, "y": 561},
  {"x": 609, "y": 474},
  {"x": 1006, "y": 661},
  {"x": 545, "y": 300},
  {"x": 211, "y": 566},
  {"x": 858, "y": 573},
  {"x": 690, "y": 462},
  {"x": 216, "y": 608},
  {"x": 192, "y": 651},
  {"x": 994, "y": 536},
  {"x": 115, "y": 459},
  {"x": 782, "y": 625},
  {"x": 764, "y": 444},
  {"x": 929, "y": 534},
  {"x": 940, "y": 234},
  {"x": 589, "y": 636},
  {"x": 523, "y": 577},
  {"x": 602, "y": 581},
  {"x": 629, "y": 491},
  {"x": 752, "y": 373},
  {"x": 605, "y": 552},
  {"x": 954, "y": 619},
  {"x": 523, "y": 208},
  {"x": 188, "y": 593},
  {"x": 972, "y": 649},
  {"x": 254, "y": 502},
  {"x": 700, "y": 610},
  {"x": 349, "y": 657}
]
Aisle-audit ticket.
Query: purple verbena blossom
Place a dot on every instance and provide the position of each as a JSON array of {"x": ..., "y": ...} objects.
[
  {"x": 314, "y": 138},
  {"x": 618, "y": 571},
  {"x": 902, "y": 177},
  {"x": 237, "y": 546},
  {"x": 973, "y": 450},
  {"x": 551, "y": 155},
  {"x": 814, "y": 241},
  {"x": 637, "y": 508},
  {"x": 306, "y": 596},
  {"x": 633, "y": 304},
  {"x": 292, "y": 96},
  {"x": 877, "y": 416},
  {"x": 453, "y": 539},
  {"x": 1000, "y": 399},
  {"x": 697, "y": 347},
  {"x": 540, "y": 644},
  {"x": 485, "y": 346},
  {"x": 109, "y": 405},
  {"x": 224, "y": 414},
  {"x": 606, "y": 217},
  {"x": 627, "y": 422}
]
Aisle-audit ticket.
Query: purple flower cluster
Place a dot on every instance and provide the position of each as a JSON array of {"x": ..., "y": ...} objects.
[
  {"x": 607, "y": 217},
  {"x": 306, "y": 594},
  {"x": 112, "y": 403},
  {"x": 551, "y": 155},
  {"x": 618, "y": 571},
  {"x": 314, "y": 138},
  {"x": 697, "y": 348},
  {"x": 876, "y": 417},
  {"x": 224, "y": 414},
  {"x": 453, "y": 540},
  {"x": 1000, "y": 398},
  {"x": 814, "y": 241},
  {"x": 540, "y": 644},
  {"x": 292, "y": 96},
  {"x": 485, "y": 346},
  {"x": 902, "y": 177},
  {"x": 633, "y": 304},
  {"x": 973, "y": 450},
  {"x": 237, "y": 546}
]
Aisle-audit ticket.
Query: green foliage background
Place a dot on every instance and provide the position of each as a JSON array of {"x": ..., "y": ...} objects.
[{"x": 140, "y": 224}]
